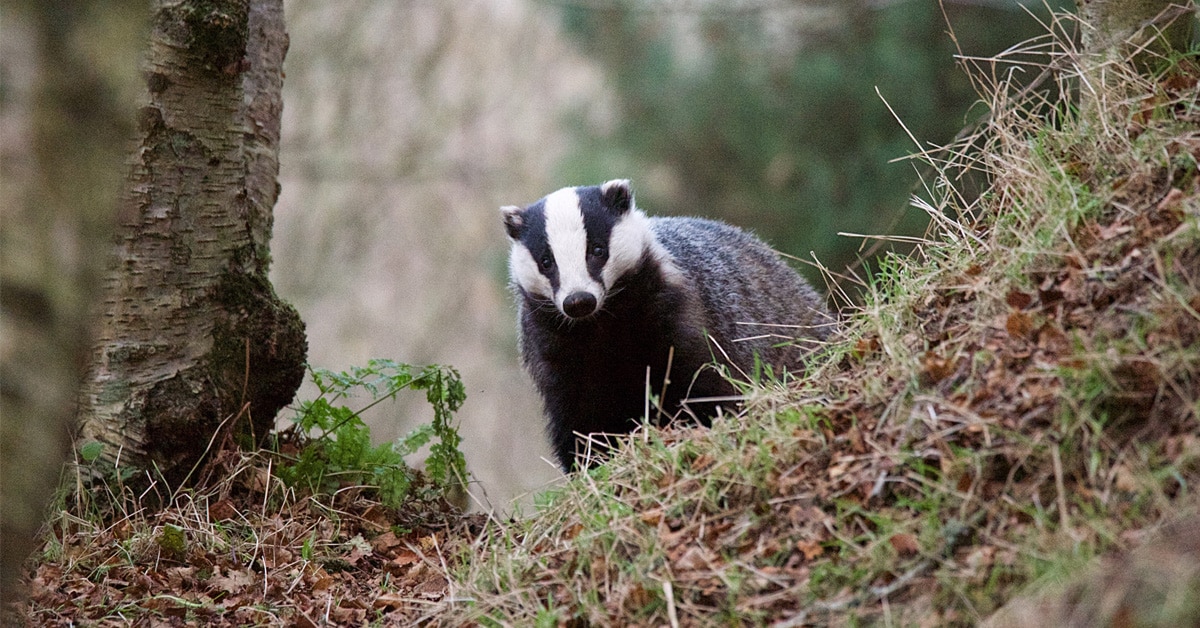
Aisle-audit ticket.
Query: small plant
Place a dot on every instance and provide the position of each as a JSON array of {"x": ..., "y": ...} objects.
[{"x": 330, "y": 446}]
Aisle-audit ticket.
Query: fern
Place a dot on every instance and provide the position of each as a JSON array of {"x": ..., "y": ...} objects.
[{"x": 332, "y": 444}]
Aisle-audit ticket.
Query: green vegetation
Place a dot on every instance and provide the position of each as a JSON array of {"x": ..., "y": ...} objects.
[{"x": 333, "y": 446}]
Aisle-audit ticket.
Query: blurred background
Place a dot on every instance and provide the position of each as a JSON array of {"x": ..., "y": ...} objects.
[{"x": 408, "y": 124}]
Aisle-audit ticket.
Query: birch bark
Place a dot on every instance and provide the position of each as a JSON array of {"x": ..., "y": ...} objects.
[{"x": 193, "y": 346}]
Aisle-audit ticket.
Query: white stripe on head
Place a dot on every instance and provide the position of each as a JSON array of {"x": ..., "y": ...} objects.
[
  {"x": 524, "y": 270},
  {"x": 631, "y": 239},
  {"x": 567, "y": 236},
  {"x": 627, "y": 245}
]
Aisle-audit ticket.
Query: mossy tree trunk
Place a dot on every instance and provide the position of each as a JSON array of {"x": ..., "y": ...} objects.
[{"x": 194, "y": 348}]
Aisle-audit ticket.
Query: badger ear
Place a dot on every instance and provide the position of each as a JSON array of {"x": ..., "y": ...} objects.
[
  {"x": 514, "y": 219},
  {"x": 617, "y": 195}
]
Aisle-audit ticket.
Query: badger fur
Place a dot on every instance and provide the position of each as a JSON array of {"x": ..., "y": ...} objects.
[{"x": 609, "y": 299}]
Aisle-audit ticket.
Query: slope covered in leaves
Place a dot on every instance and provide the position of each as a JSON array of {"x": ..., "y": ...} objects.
[
  {"x": 324, "y": 527},
  {"x": 1015, "y": 399},
  {"x": 243, "y": 553}
]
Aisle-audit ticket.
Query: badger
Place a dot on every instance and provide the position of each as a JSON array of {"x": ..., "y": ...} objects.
[{"x": 616, "y": 308}]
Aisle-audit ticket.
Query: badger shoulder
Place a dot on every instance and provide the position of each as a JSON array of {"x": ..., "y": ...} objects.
[{"x": 753, "y": 301}]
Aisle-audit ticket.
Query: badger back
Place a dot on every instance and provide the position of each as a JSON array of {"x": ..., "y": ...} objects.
[{"x": 753, "y": 301}]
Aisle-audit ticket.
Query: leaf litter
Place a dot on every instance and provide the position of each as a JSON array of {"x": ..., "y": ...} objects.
[{"x": 246, "y": 552}]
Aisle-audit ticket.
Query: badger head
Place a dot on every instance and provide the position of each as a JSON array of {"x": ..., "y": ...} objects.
[{"x": 572, "y": 246}]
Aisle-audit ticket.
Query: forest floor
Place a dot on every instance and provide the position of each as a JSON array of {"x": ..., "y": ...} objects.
[{"x": 1010, "y": 418}]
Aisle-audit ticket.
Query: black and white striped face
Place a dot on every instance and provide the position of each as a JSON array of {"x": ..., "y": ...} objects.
[{"x": 572, "y": 246}]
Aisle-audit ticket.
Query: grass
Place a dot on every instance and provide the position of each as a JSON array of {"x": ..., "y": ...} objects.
[
  {"x": 1005, "y": 407},
  {"x": 1014, "y": 400}
]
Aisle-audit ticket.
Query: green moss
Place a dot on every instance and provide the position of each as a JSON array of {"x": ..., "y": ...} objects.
[
  {"x": 172, "y": 542},
  {"x": 113, "y": 392},
  {"x": 254, "y": 323},
  {"x": 213, "y": 31},
  {"x": 183, "y": 414}
]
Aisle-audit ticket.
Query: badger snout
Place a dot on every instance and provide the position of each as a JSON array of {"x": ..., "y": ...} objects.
[{"x": 579, "y": 304}]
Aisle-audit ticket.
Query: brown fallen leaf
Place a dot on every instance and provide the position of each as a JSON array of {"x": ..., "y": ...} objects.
[
  {"x": 405, "y": 557},
  {"x": 386, "y": 542},
  {"x": 389, "y": 601},
  {"x": 866, "y": 346},
  {"x": 1019, "y": 325},
  {"x": 935, "y": 368},
  {"x": 1018, "y": 300},
  {"x": 905, "y": 544},
  {"x": 1052, "y": 338},
  {"x": 233, "y": 581},
  {"x": 320, "y": 579},
  {"x": 222, "y": 510},
  {"x": 810, "y": 549}
]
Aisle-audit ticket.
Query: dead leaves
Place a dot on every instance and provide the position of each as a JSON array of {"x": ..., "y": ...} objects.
[
  {"x": 291, "y": 567},
  {"x": 810, "y": 549},
  {"x": 1087, "y": 329}
]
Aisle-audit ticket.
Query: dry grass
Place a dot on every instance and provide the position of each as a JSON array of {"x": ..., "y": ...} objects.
[
  {"x": 1019, "y": 397},
  {"x": 1016, "y": 398}
]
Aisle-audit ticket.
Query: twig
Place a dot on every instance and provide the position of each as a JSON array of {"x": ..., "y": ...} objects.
[
  {"x": 669, "y": 593},
  {"x": 1063, "y": 519}
]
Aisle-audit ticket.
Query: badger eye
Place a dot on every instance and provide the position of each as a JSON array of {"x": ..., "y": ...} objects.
[
  {"x": 598, "y": 250},
  {"x": 547, "y": 262}
]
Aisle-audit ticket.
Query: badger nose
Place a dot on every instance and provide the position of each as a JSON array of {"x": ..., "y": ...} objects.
[{"x": 579, "y": 304}]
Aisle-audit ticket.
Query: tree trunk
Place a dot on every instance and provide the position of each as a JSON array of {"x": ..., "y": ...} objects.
[
  {"x": 194, "y": 347},
  {"x": 1120, "y": 31},
  {"x": 1109, "y": 25}
]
